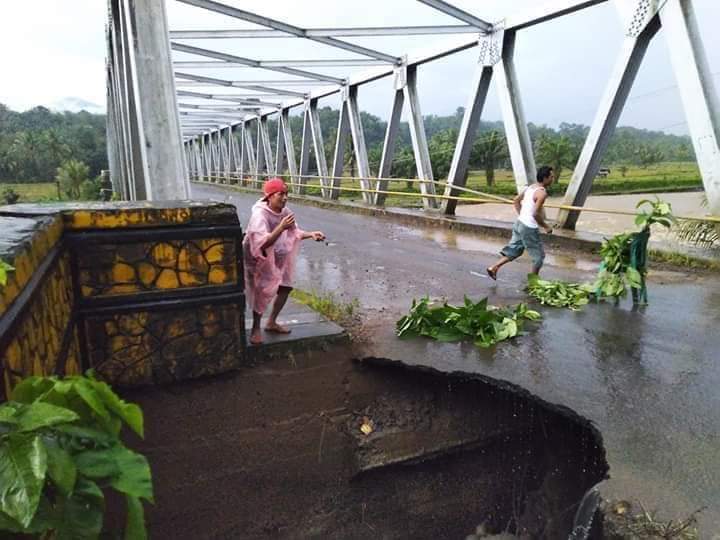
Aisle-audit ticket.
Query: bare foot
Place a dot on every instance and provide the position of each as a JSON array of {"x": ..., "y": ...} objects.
[
  {"x": 256, "y": 337},
  {"x": 275, "y": 328},
  {"x": 492, "y": 273}
]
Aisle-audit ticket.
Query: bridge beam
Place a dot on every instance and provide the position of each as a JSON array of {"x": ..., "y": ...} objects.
[
  {"x": 150, "y": 129},
  {"x": 606, "y": 118},
  {"x": 697, "y": 92}
]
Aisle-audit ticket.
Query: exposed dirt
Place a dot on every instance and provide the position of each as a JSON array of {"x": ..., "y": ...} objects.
[{"x": 276, "y": 451}]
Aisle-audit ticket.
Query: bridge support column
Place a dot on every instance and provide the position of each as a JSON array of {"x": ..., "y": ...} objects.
[
  {"x": 516, "y": 130},
  {"x": 391, "y": 133},
  {"x": 141, "y": 63},
  {"x": 607, "y": 116},
  {"x": 697, "y": 91},
  {"x": 285, "y": 148}
]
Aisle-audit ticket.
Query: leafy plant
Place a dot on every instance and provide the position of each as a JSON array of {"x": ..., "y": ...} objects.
[
  {"x": 558, "y": 293},
  {"x": 60, "y": 448},
  {"x": 70, "y": 176},
  {"x": 483, "y": 323},
  {"x": 4, "y": 269},
  {"x": 9, "y": 196},
  {"x": 659, "y": 213},
  {"x": 705, "y": 234}
]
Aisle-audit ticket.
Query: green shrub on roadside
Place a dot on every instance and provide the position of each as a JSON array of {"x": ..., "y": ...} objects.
[{"x": 60, "y": 447}]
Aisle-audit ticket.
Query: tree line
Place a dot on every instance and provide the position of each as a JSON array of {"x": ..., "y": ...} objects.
[
  {"x": 35, "y": 143},
  {"x": 557, "y": 147}
]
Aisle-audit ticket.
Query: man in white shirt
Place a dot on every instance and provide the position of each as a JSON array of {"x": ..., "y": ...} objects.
[{"x": 525, "y": 232}]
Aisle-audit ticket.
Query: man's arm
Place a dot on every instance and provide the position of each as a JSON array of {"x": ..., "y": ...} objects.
[
  {"x": 539, "y": 213},
  {"x": 517, "y": 200}
]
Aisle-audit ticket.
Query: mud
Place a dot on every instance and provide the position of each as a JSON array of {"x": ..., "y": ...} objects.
[{"x": 276, "y": 451}]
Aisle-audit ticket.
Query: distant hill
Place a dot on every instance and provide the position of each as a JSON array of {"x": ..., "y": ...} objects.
[{"x": 76, "y": 104}]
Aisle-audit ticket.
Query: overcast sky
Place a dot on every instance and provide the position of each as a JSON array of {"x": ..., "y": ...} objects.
[{"x": 54, "y": 50}]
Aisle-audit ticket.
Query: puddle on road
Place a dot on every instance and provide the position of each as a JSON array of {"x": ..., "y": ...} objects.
[{"x": 467, "y": 242}]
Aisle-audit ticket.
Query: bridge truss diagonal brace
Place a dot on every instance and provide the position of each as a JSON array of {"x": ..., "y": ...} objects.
[
  {"x": 250, "y": 151},
  {"x": 343, "y": 130},
  {"x": 390, "y": 141},
  {"x": 496, "y": 56},
  {"x": 285, "y": 148},
  {"x": 697, "y": 92},
  {"x": 265, "y": 157},
  {"x": 516, "y": 127},
  {"x": 603, "y": 126},
  {"x": 358, "y": 140},
  {"x": 312, "y": 130},
  {"x": 419, "y": 140},
  {"x": 153, "y": 132}
]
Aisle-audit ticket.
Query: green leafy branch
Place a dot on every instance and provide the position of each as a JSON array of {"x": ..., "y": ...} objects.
[
  {"x": 60, "y": 448},
  {"x": 4, "y": 269},
  {"x": 483, "y": 323},
  {"x": 558, "y": 293}
]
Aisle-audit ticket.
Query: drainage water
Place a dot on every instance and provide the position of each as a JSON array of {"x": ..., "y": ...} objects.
[{"x": 585, "y": 514}]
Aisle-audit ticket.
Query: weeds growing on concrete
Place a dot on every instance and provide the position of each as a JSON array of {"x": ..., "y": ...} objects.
[{"x": 327, "y": 304}]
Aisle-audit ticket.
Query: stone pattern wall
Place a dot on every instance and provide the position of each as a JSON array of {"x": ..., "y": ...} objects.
[
  {"x": 116, "y": 269},
  {"x": 147, "y": 347},
  {"x": 171, "y": 295},
  {"x": 36, "y": 344}
]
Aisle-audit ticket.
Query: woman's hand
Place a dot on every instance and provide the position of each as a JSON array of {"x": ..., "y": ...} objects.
[
  {"x": 288, "y": 222},
  {"x": 318, "y": 236}
]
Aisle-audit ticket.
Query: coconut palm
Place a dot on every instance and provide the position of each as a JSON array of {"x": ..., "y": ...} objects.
[
  {"x": 559, "y": 152},
  {"x": 70, "y": 177},
  {"x": 488, "y": 151},
  {"x": 700, "y": 233}
]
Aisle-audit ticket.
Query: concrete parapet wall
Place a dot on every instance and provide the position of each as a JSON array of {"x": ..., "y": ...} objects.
[{"x": 142, "y": 293}]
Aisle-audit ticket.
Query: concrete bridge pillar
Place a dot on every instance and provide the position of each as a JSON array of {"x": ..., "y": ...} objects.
[{"x": 149, "y": 131}]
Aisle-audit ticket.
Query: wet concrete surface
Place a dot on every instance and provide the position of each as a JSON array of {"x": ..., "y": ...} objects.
[{"x": 648, "y": 379}]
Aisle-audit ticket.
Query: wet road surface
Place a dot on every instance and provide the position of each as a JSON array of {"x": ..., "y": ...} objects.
[{"x": 649, "y": 379}]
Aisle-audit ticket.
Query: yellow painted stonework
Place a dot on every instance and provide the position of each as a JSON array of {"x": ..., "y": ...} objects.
[
  {"x": 139, "y": 347},
  {"x": 109, "y": 270}
]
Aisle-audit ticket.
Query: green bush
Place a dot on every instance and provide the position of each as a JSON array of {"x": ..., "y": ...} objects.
[
  {"x": 60, "y": 447},
  {"x": 9, "y": 196}
]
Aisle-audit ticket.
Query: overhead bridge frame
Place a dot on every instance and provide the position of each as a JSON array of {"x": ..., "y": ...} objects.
[{"x": 162, "y": 132}]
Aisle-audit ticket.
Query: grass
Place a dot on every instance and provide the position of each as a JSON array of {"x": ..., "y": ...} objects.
[
  {"x": 327, "y": 304},
  {"x": 683, "y": 260},
  {"x": 32, "y": 192},
  {"x": 671, "y": 176}
]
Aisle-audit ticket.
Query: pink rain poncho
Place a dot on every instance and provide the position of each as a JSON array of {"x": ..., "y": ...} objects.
[{"x": 266, "y": 270}]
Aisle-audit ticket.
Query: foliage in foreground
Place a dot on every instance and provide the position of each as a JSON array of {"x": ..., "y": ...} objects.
[
  {"x": 625, "y": 520},
  {"x": 483, "y": 323},
  {"x": 624, "y": 256},
  {"x": 624, "y": 265},
  {"x": 60, "y": 447},
  {"x": 557, "y": 293}
]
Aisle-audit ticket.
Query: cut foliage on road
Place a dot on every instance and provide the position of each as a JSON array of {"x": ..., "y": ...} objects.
[
  {"x": 557, "y": 293},
  {"x": 483, "y": 323}
]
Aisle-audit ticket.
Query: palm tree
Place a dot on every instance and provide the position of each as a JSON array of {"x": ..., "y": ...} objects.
[
  {"x": 705, "y": 234},
  {"x": 70, "y": 176},
  {"x": 488, "y": 151},
  {"x": 557, "y": 151}
]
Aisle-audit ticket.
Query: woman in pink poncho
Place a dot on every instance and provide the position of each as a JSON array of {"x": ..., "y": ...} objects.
[{"x": 271, "y": 244}]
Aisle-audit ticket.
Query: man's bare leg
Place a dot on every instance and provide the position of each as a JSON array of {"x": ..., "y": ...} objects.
[
  {"x": 492, "y": 270},
  {"x": 280, "y": 300}
]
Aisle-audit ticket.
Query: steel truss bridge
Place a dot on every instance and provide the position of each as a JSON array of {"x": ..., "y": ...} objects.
[{"x": 167, "y": 124}]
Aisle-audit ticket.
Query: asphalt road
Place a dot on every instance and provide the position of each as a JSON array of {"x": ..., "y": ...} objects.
[{"x": 649, "y": 378}]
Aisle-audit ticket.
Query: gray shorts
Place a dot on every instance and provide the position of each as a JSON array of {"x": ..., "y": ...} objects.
[{"x": 524, "y": 237}]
